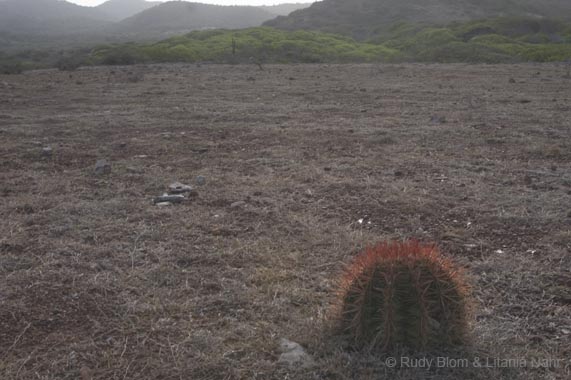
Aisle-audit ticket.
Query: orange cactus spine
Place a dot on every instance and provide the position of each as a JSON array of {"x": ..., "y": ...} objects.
[{"x": 403, "y": 294}]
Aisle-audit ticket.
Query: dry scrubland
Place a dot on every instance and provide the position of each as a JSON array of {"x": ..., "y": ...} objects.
[{"x": 97, "y": 282}]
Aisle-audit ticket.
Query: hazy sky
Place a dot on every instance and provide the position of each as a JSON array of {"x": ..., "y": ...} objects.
[{"x": 220, "y": 2}]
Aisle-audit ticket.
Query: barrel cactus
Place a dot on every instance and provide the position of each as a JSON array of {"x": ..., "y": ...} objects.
[{"x": 403, "y": 294}]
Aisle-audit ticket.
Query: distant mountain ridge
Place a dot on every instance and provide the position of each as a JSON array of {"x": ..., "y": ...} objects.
[
  {"x": 363, "y": 18},
  {"x": 283, "y": 9},
  {"x": 118, "y": 10},
  {"x": 138, "y": 19},
  {"x": 48, "y": 17},
  {"x": 179, "y": 17}
]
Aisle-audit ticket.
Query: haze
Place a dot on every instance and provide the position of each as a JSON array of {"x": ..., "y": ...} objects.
[{"x": 218, "y": 2}]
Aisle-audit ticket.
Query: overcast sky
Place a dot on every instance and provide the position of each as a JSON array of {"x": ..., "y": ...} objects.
[{"x": 221, "y": 2}]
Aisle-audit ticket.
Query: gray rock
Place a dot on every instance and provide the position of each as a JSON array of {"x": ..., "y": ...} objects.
[
  {"x": 168, "y": 198},
  {"x": 237, "y": 204},
  {"x": 102, "y": 167},
  {"x": 47, "y": 151},
  {"x": 293, "y": 355},
  {"x": 200, "y": 180},
  {"x": 438, "y": 119},
  {"x": 134, "y": 170},
  {"x": 180, "y": 188}
]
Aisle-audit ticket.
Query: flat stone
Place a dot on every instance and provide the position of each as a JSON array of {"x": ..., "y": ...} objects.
[
  {"x": 174, "y": 198},
  {"x": 438, "y": 119},
  {"x": 102, "y": 167},
  {"x": 134, "y": 170},
  {"x": 179, "y": 188},
  {"x": 200, "y": 180},
  {"x": 47, "y": 151},
  {"x": 237, "y": 204},
  {"x": 293, "y": 355}
]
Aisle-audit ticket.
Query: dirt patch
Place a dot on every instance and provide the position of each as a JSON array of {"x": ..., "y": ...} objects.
[{"x": 98, "y": 283}]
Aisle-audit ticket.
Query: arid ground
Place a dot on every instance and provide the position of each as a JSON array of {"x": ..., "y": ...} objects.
[{"x": 304, "y": 165}]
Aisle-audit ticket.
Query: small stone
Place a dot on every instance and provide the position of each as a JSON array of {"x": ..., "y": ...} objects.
[
  {"x": 200, "y": 180},
  {"x": 102, "y": 167},
  {"x": 293, "y": 355},
  {"x": 438, "y": 119},
  {"x": 434, "y": 324},
  {"x": 175, "y": 198},
  {"x": 47, "y": 151},
  {"x": 527, "y": 180},
  {"x": 86, "y": 373},
  {"x": 237, "y": 204},
  {"x": 179, "y": 188},
  {"x": 164, "y": 204},
  {"x": 134, "y": 170}
]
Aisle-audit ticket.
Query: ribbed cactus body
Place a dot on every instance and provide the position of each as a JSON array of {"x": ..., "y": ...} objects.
[{"x": 403, "y": 294}]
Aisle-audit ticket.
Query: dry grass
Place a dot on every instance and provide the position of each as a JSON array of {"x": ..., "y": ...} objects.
[{"x": 97, "y": 283}]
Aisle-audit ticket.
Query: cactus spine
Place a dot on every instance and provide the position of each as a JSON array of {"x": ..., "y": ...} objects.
[{"x": 403, "y": 294}]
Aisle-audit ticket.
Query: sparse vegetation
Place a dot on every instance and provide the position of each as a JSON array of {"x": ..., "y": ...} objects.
[
  {"x": 97, "y": 282},
  {"x": 265, "y": 44},
  {"x": 503, "y": 40}
]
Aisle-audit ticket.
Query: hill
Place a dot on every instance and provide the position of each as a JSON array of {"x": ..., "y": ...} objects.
[
  {"x": 283, "y": 9},
  {"x": 118, "y": 10},
  {"x": 51, "y": 17},
  {"x": 365, "y": 18},
  {"x": 179, "y": 17},
  {"x": 503, "y": 40}
]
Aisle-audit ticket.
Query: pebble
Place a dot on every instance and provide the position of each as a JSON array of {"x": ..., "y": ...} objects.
[
  {"x": 200, "y": 180},
  {"x": 436, "y": 119},
  {"x": 47, "y": 151},
  {"x": 102, "y": 167},
  {"x": 237, "y": 204},
  {"x": 134, "y": 170},
  {"x": 179, "y": 188},
  {"x": 293, "y": 355},
  {"x": 166, "y": 198}
]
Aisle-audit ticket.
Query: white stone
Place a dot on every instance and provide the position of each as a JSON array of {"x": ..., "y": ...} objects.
[{"x": 293, "y": 355}]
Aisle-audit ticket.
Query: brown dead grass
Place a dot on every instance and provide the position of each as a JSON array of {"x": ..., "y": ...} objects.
[{"x": 97, "y": 283}]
